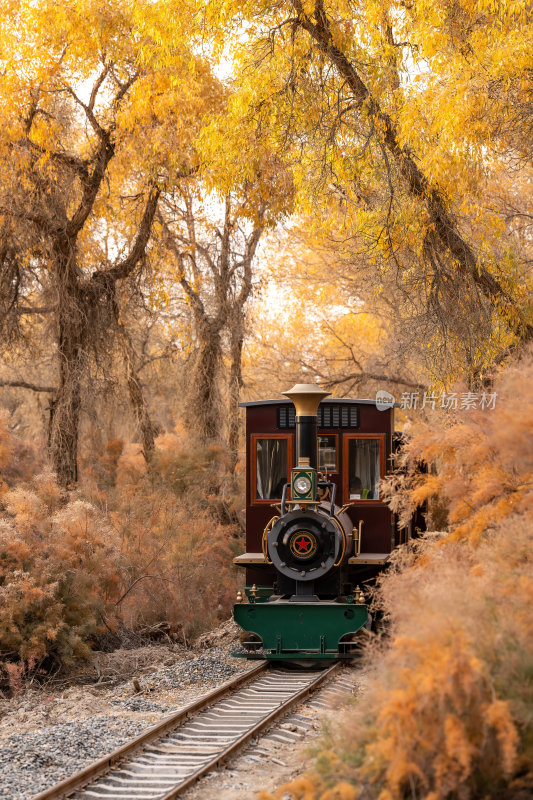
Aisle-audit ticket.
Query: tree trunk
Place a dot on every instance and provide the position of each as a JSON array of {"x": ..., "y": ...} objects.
[
  {"x": 204, "y": 395},
  {"x": 137, "y": 398},
  {"x": 65, "y": 420},
  {"x": 65, "y": 408},
  {"x": 234, "y": 392}
]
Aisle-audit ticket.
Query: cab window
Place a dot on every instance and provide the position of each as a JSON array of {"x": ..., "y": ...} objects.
[
  {"x": 270, "y": 467},
  {"x": 364, "y": 467}
]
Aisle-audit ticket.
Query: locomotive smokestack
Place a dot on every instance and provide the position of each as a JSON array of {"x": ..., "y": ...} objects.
[{"x": 306, "y": 398}]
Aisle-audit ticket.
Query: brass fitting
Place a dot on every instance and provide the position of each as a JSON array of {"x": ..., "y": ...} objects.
[
  {"x": 345, "y": 507},
  {"x": 359, "y": 596}
]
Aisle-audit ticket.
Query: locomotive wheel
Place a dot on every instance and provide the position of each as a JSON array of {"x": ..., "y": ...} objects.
[
  {"x": 354, "y": 643},
  {"x": 251, "y": 642}
]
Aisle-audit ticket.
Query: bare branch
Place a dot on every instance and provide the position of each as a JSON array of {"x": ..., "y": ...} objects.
[
  {"x": 27, "y": 310},
  {"x": 124, "y": 268},
  {"x": 251, "y": 247},
  {"x": 96, "y": 88},
  {"x": 40, "y": 220},
  {"x": 32, "y": 386},
  {"x": 73, "y": 162},
  {"x": 33, "y": 109},
  {"x": 95, "y": 125},
  {"x": 170, "y": 242},
  {"x": 91, "y": 186},
  {"x": 124, "y": 88},
  {"x": 375, "y": 376}
]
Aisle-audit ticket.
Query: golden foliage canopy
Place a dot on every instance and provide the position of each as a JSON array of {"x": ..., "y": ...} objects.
[{"x": 395, "y": 118}]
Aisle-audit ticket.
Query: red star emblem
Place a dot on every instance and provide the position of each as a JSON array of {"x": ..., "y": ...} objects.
[{"x": 303, "y": 545}]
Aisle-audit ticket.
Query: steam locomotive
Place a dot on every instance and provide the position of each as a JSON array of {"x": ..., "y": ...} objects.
[{"x": 317, "y": 530}]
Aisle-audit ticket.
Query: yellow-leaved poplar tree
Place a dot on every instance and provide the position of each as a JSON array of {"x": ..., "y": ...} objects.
[
  {"x": 100, "y": 106},
  {"x": 395, "y": 119}
]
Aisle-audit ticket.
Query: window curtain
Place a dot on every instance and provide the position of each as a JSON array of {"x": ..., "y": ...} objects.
[
  {"x": 271, "y": 468},
  {"x": 365, "y": 460}
]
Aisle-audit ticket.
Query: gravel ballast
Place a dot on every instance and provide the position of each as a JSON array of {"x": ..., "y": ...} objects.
[
  {"x": 33, "y": 761},
  {"x": 35, "y": 755}
]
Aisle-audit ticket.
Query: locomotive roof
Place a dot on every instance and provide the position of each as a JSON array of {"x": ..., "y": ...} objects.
[{"x": 327, "y": 400}]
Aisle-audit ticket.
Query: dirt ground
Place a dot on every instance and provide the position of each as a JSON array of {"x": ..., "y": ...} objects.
[
  {"x": 83, "y": 693},
  {"x": 88, "y": 688}
]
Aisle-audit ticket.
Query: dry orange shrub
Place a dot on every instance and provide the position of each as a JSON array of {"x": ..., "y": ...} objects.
[
  {"x": 483, "y": 460},
  {"x": 448, "y": 708},
  {"x": 172, "y": 520},
  {"x": 59, "y": 565},
  {"x": 138, "y": 547},
  {"x": 19, "y": 458}
]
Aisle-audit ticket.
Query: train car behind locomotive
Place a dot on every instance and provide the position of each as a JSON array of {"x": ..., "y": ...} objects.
[{"x": 316, "y": 527}]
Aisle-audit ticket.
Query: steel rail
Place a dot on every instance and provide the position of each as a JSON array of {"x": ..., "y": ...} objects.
[
  {"x": 98, "y": 768},
  {"x": 264, "y": 723},
  {"x": 183, "y": 733}
]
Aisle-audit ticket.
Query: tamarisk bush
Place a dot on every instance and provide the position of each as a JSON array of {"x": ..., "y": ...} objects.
[
  {"x": 148, "y": 548},
  {"x": 482, "y": 460},
  {"x": 59, "y": 568},
  {"x": 178, "y": 523}
]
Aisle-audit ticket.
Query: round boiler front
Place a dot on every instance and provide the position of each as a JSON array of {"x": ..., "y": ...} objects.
[{"x": 304, "y": 545}]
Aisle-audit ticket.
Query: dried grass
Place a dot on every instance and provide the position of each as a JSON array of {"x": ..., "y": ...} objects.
[{"x": 59, "y": 562}]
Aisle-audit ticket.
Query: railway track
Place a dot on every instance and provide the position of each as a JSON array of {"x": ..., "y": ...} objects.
[{"x": 168, "y": 758}]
